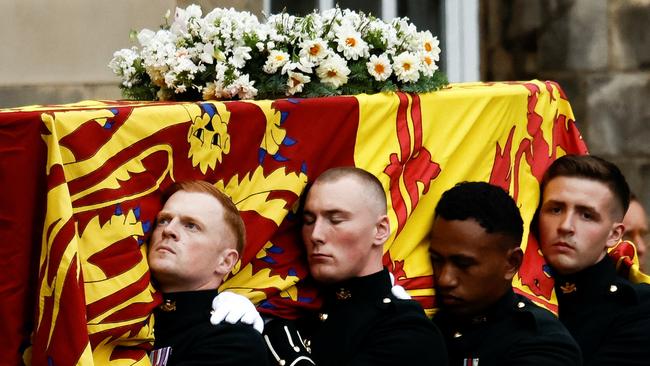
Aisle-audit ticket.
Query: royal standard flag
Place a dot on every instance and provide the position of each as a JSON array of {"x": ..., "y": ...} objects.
[{"x": 107, "y": 163}]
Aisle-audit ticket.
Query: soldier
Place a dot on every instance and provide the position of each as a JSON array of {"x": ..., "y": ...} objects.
[
  {"x": 583, "y": 201},
  {"x": 475, "y": 252},
  {"x": 198, "y": 238},
  {"x": 361, "y": 321}
]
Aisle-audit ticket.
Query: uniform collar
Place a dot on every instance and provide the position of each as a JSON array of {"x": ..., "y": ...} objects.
[
  {"x": 187, "y": 301},
  {"x": 357, "y": 289},
  {"x": 591, "y": 280},
  {"x": 499, "y": 310}
]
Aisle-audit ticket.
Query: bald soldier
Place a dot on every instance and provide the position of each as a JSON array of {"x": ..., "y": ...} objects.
[{"x": 344, "y": 229}]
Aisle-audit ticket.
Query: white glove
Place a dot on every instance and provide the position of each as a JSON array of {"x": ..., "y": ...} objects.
[
  {"x": 233, "y": 308},
  {"x": 397, "y": 290}
]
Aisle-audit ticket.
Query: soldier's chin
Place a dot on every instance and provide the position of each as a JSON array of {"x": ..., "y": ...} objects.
[{"x": 324, "y": 275}]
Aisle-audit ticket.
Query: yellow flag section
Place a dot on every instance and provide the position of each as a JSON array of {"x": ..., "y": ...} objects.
[{"x": 421, "y": 145}]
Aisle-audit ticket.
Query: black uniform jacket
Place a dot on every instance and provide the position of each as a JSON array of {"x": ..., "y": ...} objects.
[
  {"x": 362, "y": 323},
  {"x": 607, "y": 315},
  {"x": 185, "y": 327},
  {"x": 514, "y": 331}
]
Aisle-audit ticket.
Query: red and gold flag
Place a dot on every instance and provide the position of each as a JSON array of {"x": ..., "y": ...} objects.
[{"x": 107, "y": 163}]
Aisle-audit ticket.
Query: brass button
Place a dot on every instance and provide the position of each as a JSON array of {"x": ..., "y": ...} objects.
[
  {"x": 386, "y": 300},
  {"x": 521, "y": 304},
  {"x": 458, "y": 335},
  {"x": 322, "y": 317},
  {"x": 568, "y": 288},
  {"x": 168, "y": 306},
  {"x": 613, "y": 288},
  {"x": 343, "y": 294}
]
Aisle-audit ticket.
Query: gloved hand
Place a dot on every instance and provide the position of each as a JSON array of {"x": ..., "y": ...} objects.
[
  {"x": 397, "y": 290},
  {"x": 233, "y": 308}
]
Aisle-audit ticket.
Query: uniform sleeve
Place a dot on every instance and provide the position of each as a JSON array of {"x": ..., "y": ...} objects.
[
  {"x": 227, "y": 345},
  {"x": 549, "y": 349},
  {"x": 628, "y": 342},
  {"x": 403, "y": 340}
]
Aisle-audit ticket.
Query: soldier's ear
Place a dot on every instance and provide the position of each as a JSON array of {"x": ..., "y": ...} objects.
[
  {"x": 227, "y": 261},
  {"x": 382, "y": 230},
  {"x": 616, "y": 234},
  {"x": 514, "y": 258}
]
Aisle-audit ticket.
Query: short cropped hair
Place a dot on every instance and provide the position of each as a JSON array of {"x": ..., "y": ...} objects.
[
  {"x": 491, "y": 206},
  {"x": 370, "y": 182},
  {"x": 593, "y": 168},
  {"x": 230, "y": 213}
]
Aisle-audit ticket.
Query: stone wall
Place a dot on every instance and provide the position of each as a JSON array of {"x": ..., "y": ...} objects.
[{"x": 599, "y": 52}]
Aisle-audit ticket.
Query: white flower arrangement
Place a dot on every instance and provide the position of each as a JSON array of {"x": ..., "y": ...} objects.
[{"x": 229, "y": 54}]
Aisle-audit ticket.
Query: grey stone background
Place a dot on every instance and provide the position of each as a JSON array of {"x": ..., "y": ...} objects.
[{"x": 599, "y": 52}]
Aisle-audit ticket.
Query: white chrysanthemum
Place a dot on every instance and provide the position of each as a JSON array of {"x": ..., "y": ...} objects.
[
  {"x": 242, "y": 87},
  {"x": 145, "y": 36},
  {"x": 296, "y": 82},
  {"x": 303, "y": 65},
  {"x": 407, "y": 67},
  {"x": 313, "y": 49},
  {"x": 351, "y": 44},
  {"x": 275, "y": 60},
  {"x": 239, "y": 56},
  {"x": 206, "y": 54},
  {"x": 122, "y": 64},
  {"x": 379, "y": 67},
  {"x": 333, "y": 71},
  {"x": 182, "y": 19},
  {"x": 428, "y": 64}
]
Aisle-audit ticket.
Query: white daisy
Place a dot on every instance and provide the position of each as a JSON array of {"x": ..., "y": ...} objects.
[
  {"x": 333, "y": 71},
  {"x": 313, "y": 49},
  {"x": 431, "y": 45},
  {"x": 379, "y": 67},
  {"x": 275, "y": 60},
  {"x": 428, "y": 64},
  {"x": 351, "y": 44},
  {"x": 407, "y": 67},
  {"x": 239, "y": 56},
  {"x": 296, "y": 82}
]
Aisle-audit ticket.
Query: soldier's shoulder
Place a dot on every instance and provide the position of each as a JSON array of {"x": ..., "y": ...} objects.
[
  {"x": 541, "y": 320},
  {"x": 629, "y": 293}
]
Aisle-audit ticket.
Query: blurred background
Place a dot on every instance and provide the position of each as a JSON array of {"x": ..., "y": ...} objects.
[{"x": 57, "y": 51}]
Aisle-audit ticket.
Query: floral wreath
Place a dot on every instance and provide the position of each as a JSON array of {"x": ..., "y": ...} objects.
[{"x": 229, "y": 54}]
